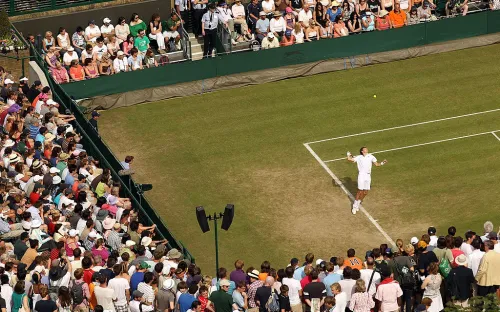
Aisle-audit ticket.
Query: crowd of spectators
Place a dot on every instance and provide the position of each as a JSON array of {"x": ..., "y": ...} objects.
[{"x": 110, "y": 49}]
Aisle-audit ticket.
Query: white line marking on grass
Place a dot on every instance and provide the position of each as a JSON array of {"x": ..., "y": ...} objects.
[
  {"x": 495, "y": 135},
  {"x": 348, "y": 193},
  {"x": 406, "y": 126},
  {"x": 423, "y": 144}
]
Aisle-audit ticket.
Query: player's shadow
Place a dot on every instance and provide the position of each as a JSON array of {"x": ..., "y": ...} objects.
[{"x": 351, "y": 185}]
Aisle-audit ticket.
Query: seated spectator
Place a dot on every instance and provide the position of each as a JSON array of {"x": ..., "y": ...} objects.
[
  {"x": 86, "y": 54},
  {"x": 113, "y": 46},
  {"x": 121, "y": 30},
  {"x": 305, "y": 15},
  {"x": 339, "y": 28},
  {"x": 226, "y": 17},
  {"x": 367, "y": 22},
  {"x": 120, "y": 64},
  {"x": 287, "y": 39},
  {"x": 136, "y": 25},
  {"x": 289, "y": 19},
  {"x": 107, "y": 30},
  {"x": 105, "y": 66},
  {"x": 90, "y": 67},
  {"x": 298, "y": 33},
  {"x": 413, "y": 18},
  {"x": 354, "y": 23},
  {"x": 60, "y": 74},
  {"x": 128, "y": 45},
  {"x": 70, "y": 56},
  {"x": 333, "y": 11},
  {"x": 268, "y": 7},
  {"x": 270, "y": 42},
  {"x": 277, "y": 25},
  {"x": 424, "y": 12},
  {"x": 397, "y": 16},
  {"x": 457, "y": 6},
  {"x": 311, "y": 31},
  {"x": 382, "y": 21},
  {"x": 347, "y": 10},
  {"x": 78, "y": 40},
  {"x": 52, "y": 57},
  {"x": 63, "y": 40},
  {"x": 262, "y": 26},
  {"x": 99, "y": 49},
  {"x": 155, "y": 31},
  {"x": 141, "y": 43},
  {"x": 239, "y": 18},
  {"x": 48, "y": 42},
  {"x": 149, "y": 59},
  {"x": 134, "y": 60},
  {"x": 92, "y": 32},
  {"x": 171, "y": 33}
]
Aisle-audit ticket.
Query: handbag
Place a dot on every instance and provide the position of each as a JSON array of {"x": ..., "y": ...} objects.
[{"x": 444, "y": 266}]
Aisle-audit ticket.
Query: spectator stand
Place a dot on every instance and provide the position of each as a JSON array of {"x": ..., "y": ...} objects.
[
  {"x": 96, "y": 148},
  {"x": 16, "y": 7}
]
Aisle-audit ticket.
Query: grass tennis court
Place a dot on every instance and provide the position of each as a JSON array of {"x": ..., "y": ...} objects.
[{"x": 246, "y": 146}]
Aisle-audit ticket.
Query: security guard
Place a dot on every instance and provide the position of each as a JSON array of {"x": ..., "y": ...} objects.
[{"x": 209, "y": 23}]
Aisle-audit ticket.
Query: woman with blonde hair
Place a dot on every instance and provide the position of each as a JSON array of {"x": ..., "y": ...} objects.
[
  {"x": 298, "y": 33},
  {"x": 361, "y": 301}
]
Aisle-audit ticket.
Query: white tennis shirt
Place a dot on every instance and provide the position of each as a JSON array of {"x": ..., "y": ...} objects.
[{"x": 365, "y": 163}]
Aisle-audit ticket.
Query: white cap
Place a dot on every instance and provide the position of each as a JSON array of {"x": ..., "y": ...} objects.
[
  {"x": 38, "y": 178},
  {"x": 51, "y": 102},
  {"x": 318, "y": 262},
  {"x": 56, "y": 180},
  {"x": 23, "y": 79},
  {"x": 106, "y": 20},
  {"x": 119, "y": 53},
  {"x": 146, "y": 241},
  {"x": 92, "y": 234},
  {"x": 270, "y": 35},
  {"x": 54, "y": 170},
  {"x": 129, "y": 243},
  {"x": 8, "y": 81},
  {"x": 73, "y": 232},
  {"x": 414, "y": 240}
]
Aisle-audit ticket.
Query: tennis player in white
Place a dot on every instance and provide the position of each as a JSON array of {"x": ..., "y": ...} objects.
[{"x": 364, "y": 161}]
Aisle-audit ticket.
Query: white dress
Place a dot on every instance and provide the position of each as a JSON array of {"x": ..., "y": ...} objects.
[{"x": 433, "y": 291}]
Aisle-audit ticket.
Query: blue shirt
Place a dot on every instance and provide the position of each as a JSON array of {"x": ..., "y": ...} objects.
[
  {"x": 136, "y": 278},
  {"x": 332, "y": 15},
  {"x": 69, "y": 179},
  {"x": 34, "y": 131},
  {"x": 331, "y": 279},
  {"x": 299, "y": 273},
  {"x": 40, "y": 137},
  {"x": 262, "y": 25},
  {"x": 185, "y": 301}
]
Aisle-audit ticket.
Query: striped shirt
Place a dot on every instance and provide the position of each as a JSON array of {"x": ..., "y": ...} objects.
[
  {"x": 114, "y": 241},
  {"x": 252, "y": 289}
]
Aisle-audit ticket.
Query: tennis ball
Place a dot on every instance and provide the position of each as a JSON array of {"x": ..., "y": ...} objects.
[{"x": 374, "y": 96}]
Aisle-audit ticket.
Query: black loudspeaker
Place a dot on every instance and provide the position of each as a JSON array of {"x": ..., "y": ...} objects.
[
  {"x": 202, "y": 219},
  {"x": 227, "y": 219}
]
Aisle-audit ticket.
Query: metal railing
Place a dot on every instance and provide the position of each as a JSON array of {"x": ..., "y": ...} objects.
[
  {"x": 186, "y": 43},
  {"x": 96, "y": 147},
  {"x": 20, "y": 7}
]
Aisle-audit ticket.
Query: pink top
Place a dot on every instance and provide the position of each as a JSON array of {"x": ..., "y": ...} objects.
[
  {"x": 127, "y": 47},
  {"x": 60, "y": 75},
  {"x": 361, "y": 302},
  {"x": 111, "y": 208},
  {"x": 104, "y": 253},
  {"x": 388, "y": 294}
]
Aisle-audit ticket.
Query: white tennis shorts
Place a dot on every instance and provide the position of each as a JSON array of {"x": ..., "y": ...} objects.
[{"x": 364, "y": 181}]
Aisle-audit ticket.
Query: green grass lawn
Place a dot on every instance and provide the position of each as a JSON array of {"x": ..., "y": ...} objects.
[{"x": 245, "y": 146}]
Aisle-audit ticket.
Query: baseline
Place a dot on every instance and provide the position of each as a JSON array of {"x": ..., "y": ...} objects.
[
  {"x": 406, "y": 126},
  {"x": 423, "y": 144},
  {"x": 349, "y": 194}
]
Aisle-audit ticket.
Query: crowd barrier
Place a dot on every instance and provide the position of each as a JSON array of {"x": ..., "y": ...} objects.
[
  {"x": 355, "y": 45},
  {"x": 95, "y": 147}
]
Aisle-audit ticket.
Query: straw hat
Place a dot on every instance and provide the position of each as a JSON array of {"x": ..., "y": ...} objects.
[{"x": 383, "y": 13}]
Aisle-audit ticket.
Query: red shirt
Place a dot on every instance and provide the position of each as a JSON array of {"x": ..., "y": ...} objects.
[
  {"x": 87, "y": 275},
  {"x": 54, "y": 254},
  {"x": 456, "y": 253},
  {"x": 34, "y": 197},
  {"x": 306, "y": 280}
]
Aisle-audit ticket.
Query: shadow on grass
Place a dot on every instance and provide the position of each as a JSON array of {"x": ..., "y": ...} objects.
[{"x": 349, "y": 183}]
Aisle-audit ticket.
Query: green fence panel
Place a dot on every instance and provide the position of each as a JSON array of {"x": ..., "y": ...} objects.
[
  {"x": 367, "y": 43},
  {"x": 142, "y": 79},
  {"x": 457, "y": 28},
  {"x": 493, "y": 18}
]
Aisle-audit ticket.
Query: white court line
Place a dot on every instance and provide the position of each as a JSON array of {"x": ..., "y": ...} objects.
[
  {"x": 423, "y": 144},
  {"x": 495, "y": 135},
  {"x": 342, "y": 186},
  {"x": 406, "y": 126}
]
